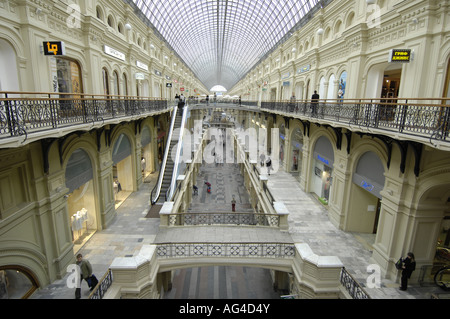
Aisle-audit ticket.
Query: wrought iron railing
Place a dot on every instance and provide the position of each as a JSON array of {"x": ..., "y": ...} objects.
[
  {"x": 257, "y": 250},
  {"x": 235, "y": 218},
  {"x": 24, "y": 113},
  {"x": 100, "y": 290},
  {"x": 352, "y": 286},
  {"x": 428, "y": 118}
]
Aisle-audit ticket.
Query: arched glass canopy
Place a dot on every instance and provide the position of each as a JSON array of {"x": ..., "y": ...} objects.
[{"x": 221, "y": 40}]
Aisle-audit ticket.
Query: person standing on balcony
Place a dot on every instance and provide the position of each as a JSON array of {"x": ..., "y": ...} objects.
[
  {"x": 292, "y": 103},
  {"x": 314, "y": 103},
  {"x": 233, "y": 204},
  {"x": 409, "y": 265}
]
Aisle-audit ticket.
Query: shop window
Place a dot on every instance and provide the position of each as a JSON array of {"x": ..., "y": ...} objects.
[
  {"x": 116, "y": 83},
  {"x": 124, "y": 85},
  {"x": 66, "y": 75},
  {"x": 105, "y": 81},
  {"x": 81, "y": 198}
]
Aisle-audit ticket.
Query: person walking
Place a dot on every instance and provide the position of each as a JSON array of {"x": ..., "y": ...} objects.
[
  {"x": 269, "y": 165},
  {"x": 409, "y": 265},
  {"x": 85, "y": 273},
  {"x": 233, "y": 204}
]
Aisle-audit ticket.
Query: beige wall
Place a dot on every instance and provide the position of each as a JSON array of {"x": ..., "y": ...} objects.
[{"x": 35, "y": 228}]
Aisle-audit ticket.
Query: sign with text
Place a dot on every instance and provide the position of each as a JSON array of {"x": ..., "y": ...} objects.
[
  {"x": 400, "y": 55},
  {"x": 54, "y": 48},
  {"x": 113, "y": 52}
]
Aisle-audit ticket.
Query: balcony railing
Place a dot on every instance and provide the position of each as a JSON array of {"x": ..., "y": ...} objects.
[
  {"x": 424, "y": 118},
  {"x": 23, "y": 113},
  {"x": 242, "y": 219}
]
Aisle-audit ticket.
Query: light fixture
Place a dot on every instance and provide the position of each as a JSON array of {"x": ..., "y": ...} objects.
[
  {"x": 128, "y": 26},
  {"x": 320, "y": 31}
]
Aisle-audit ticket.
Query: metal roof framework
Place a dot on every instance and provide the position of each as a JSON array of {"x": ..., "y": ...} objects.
[{"x": 222, "y": 40}]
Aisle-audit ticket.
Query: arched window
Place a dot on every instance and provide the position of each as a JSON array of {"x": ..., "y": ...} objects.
[
  {"x": 116, "y": 83},
  {"x": 105, "y": 81},
  {"x": 124, "y": 85}
]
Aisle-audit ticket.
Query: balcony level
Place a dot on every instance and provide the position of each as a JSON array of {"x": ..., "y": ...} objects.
[{"x": 28, "y": 117}]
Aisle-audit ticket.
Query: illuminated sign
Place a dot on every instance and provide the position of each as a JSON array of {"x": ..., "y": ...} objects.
[
  {"x": 400, "y": 55},
  {"x": 367, "y": 186},
  {"x": 320, "y": 158},
  {"x": 54, "y": 48}
]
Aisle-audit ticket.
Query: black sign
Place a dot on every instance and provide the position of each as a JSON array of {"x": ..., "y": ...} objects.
[
  {"x": 400, "y": 55},
  {"x": 54, "y": 48}
]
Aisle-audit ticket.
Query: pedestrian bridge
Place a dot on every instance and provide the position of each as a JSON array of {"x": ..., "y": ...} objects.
[{"x": 295, "y": 266}]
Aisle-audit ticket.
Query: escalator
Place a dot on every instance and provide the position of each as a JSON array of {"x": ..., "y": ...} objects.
[{"x": 159, "y": 192}]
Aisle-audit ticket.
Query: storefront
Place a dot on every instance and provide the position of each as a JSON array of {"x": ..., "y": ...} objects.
[
  {"x": 66, "y": 75},
  {"x": 146, "y": 151},
  {"x": 296, "y": 151},
  {"x": 322, "y": 169},
  {"x": 282, "y": 145},
  {"x": 367, "y": 184},
  {"x": 81, "y": 198},
  {"x": 122, "y": 169}
]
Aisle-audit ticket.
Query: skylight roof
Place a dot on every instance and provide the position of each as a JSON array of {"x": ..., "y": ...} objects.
[{"x": 221, "y": 40}]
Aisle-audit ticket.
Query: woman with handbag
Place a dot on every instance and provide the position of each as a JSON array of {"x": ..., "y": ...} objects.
[{"x": 409, "y": 265}]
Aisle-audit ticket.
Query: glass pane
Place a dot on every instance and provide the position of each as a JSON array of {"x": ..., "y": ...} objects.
[{"x": 221, "y": 40}]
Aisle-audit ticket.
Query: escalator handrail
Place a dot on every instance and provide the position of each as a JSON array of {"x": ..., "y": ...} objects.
[
  {"x": 166, "y": 155},
  {"x": 173, "y": 182}
]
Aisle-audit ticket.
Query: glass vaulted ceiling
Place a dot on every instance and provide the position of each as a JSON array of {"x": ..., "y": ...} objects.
[{"x": 221, "y": 40}]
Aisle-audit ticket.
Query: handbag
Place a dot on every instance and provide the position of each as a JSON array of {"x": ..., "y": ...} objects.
[{"x": 399, "y": 264}]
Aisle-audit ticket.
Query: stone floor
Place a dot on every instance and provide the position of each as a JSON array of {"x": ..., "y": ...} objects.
[{"x": 308, "y": 223}]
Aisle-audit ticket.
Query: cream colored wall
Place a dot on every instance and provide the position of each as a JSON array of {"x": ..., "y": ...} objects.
[
  {"x": 360, "y": 47},
  {"x": 34, "y": 213},
  {"x": 84, "y": 42}
]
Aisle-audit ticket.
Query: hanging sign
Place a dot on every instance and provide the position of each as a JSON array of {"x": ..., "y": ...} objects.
[
  {"x": 54, "y": 48},
  {"x": 400, "y": 55}
]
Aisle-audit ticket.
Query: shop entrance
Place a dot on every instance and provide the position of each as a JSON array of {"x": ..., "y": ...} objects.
[
  {"x": 122, "y": 170},
  {"x": 364, "y": 206},
  {"x": 323, "y": 169},
  {"x": 296, "y": 152},
  {"x": 146, "y": 151},
  {"x": 81, "y": 200}
]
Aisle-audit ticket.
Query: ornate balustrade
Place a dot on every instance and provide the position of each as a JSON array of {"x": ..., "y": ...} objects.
[
  {"x": 257, "y": 250},
  {"x": 242, "y": 219},
  {"x": 24, "y": 113},
  {"x": 104, "y": 283},
  {"x": 423, "y": 118},
  {"x": 352, "y": 286}
]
